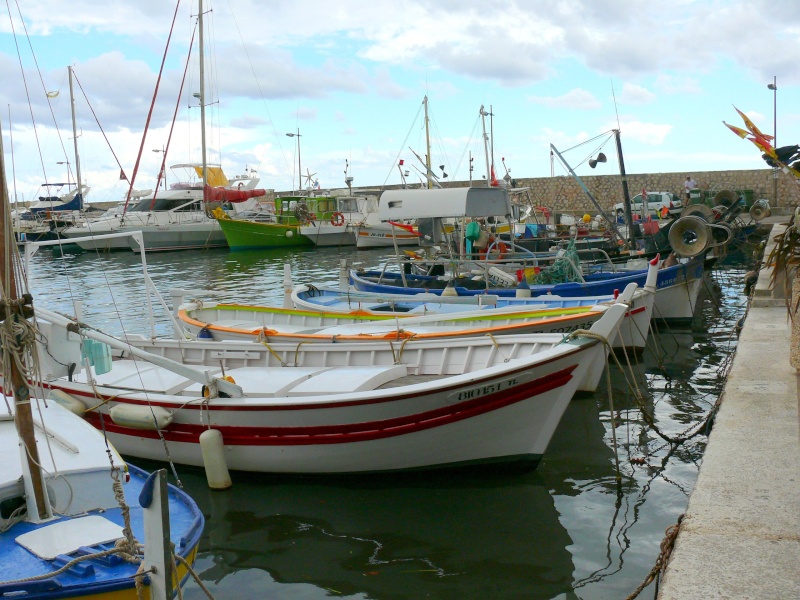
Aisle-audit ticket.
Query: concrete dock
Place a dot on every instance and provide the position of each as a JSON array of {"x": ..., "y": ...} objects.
[{"x": 740, "y": 537}]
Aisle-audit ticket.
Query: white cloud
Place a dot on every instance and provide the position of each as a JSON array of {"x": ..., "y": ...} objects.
[
  {"x": 578, "y": 99},
  {"x": 636, "y": 95},
  {"x": 650, "y": 134}
]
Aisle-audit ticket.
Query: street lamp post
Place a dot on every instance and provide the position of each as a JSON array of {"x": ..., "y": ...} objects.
[
  {"x": 774, "y": 87},
  {"x": 299, "y": 170}
]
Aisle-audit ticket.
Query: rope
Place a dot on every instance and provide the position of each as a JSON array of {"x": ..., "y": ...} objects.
[
  {"x": 262, "y": 338},
  {"x": 122, "y": 552},
  {"x": 667, "y": 544},
  {"x": 194, "y": 575},
  {"x": 497, "y": 347}
]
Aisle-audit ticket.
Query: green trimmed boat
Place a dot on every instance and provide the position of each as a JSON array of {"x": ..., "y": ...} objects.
[
  {"x": 295, "y": 221},
  {"x": 279, "y": 228}
]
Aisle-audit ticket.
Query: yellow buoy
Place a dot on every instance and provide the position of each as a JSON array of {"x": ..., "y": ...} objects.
[
  {"x": 587, "y": 217},
  {"x": 213, "y": 449}
]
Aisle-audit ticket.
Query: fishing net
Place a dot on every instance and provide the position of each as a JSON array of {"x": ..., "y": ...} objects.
[{"x": 564, "y": 269}]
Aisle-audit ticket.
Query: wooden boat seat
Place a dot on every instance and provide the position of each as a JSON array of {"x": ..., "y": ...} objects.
[{"x": 341, "y": 380}]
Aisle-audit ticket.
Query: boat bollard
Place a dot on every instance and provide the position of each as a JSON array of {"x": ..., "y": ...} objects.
[
  {"x": 287, "y": 286},
  {"x": 213, "y": 450}
]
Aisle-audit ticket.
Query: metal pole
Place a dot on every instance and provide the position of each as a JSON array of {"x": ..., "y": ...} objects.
[
  {"x": 75, "y": 138},
  {"x": 202, "y": 100},
  {"x": 775, "y": 135},
  {"x": 299, "y": 167},
  {"x": 486, "y": 147},
  {"x": 428, "y": 145},
  {"x": 626, "y": 197}
]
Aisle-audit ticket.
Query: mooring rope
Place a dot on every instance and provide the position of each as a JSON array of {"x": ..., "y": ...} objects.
[{"x": 667, "y": 544}]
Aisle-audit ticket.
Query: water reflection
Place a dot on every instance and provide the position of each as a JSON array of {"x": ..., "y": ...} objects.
[{"x": 444, "y": 536}]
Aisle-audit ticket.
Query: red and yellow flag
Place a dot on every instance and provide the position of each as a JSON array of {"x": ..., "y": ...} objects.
[
  {"x": 737, "y": 130},
  {"x": 751, "y": 126}
]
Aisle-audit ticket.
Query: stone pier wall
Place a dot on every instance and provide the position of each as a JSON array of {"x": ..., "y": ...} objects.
[{"x": 564, "y": 194}]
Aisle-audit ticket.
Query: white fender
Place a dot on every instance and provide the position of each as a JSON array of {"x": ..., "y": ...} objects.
[
  {"x": 140, "y": 417},
  {"x": 69, "y": 402},
  {"x": 213, "y": 450}
]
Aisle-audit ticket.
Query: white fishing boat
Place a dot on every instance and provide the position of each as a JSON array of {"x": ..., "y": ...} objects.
[
  {"x": 332, "y": 407},
  {"x": 358, "y": 304},
  {"x": 271, "y": 324}
]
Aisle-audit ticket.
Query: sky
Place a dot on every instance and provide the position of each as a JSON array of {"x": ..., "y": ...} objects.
[{"x": 350, "y": 76}]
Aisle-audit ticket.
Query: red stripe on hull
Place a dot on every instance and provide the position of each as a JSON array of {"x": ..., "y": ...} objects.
[{"x": 351, "y": 432}]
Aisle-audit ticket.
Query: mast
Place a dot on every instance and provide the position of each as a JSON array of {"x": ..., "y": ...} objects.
[
  {"x": 491, "y": 137},
  {"x": 626, "y": 197},
  {"x": 13, "y": 309},
  {"x": 427, "y": 144},
  {"x": 486, "y": 147},
  {"x": 202, "y": 99},
  {"x": 75, "y": 138}
]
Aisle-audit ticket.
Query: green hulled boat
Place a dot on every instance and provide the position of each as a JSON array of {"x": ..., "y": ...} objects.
[
  {"x": 245, "y": 235},
  {"x": 281, "y": 227}
]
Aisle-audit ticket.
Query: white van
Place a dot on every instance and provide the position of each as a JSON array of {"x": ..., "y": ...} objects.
[{"x": 655, "y": 202}]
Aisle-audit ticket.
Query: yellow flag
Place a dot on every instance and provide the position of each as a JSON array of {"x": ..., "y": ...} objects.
[{"x": 737, "y": 130}]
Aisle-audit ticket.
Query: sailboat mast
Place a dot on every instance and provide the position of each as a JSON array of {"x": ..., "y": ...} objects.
[
  {"x": 15, "y": 308},
  {"x": 75, "y": 137},
  {"x": 491, "y": 137},
  {"x": 427, "y": 144},
  {"x": 202, "y": 98},
  {"x": 486, "y": 147}
]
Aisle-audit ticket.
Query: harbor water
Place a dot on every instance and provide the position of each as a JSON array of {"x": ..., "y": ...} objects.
[{"x": 577, "y": 527}]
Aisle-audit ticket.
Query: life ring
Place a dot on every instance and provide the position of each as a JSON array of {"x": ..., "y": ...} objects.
[
  {"x": 499, "y": 248},
  {"x": 312, "y": 216},
  {"x": 337, "y": 219}
]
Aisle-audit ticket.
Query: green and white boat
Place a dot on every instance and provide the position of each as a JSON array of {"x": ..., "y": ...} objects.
[{"x": 295, "y": 221}]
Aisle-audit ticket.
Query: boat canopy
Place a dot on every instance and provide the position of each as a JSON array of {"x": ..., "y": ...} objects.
[
  {"x": 444, "y": 203},
  {"x": 215, "y": 176}
]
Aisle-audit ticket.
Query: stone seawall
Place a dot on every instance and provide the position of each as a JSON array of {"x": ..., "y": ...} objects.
[{"x": 563, "y": 194}]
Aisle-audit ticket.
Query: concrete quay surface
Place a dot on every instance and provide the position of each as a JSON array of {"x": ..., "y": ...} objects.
[{"x": 740, "y": 537}]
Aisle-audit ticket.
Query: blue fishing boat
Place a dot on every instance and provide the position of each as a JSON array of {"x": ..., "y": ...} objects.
[{"x": 677, "y": 286}]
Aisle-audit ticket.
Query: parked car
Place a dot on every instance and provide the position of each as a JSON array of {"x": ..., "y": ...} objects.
[{"x": 656, "y": 201}]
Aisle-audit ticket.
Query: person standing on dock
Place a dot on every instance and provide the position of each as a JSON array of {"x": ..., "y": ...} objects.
[{"x": 689, "y": 185}]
